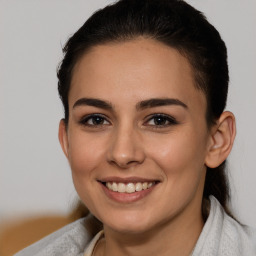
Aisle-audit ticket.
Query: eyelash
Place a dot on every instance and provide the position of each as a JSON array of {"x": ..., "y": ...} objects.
[
  {"x": 85, "y": 120},
  {"x": 165, "y": 118}
]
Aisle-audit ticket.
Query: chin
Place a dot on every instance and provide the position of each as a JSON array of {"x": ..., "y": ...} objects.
[
  {"x": 128, "y": 223},
  {"x": 130, "y": 229}
]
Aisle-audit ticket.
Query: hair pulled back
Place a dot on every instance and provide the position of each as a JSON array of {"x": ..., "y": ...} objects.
[{"x": 176, "y": 24}]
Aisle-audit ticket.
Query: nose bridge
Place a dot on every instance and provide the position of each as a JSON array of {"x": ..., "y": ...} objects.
[{"x": 126, "y": 148}]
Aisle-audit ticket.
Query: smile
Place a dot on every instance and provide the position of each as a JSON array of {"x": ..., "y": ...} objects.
[
  {"x": 129, "y": 187},
  {"x": 127, "y": 190}
]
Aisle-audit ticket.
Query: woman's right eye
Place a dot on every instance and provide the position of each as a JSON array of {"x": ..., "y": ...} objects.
[{"x": 94, "y": 120}]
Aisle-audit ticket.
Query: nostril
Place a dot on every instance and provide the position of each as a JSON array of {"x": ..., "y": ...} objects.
[
  {"x": 125, "y": 149},
  {"x": 124, "y": 164}
]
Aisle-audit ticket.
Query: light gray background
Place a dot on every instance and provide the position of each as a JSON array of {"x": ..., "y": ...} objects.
[{"x": 34, "y": 175}]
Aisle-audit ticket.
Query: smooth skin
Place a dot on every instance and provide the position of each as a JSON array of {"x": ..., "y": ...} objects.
[{"x": 123, "y": 134}]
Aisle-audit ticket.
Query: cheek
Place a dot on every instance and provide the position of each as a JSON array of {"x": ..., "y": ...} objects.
[
  {"x": 85, "y": 153},
  {"x": 181, "y": 161},
  {"x": 178, "y": 154},
  {"x": 85, "y": 156}
]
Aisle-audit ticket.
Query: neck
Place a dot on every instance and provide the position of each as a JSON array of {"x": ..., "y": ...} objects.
[{"x": 174, "y": 238}]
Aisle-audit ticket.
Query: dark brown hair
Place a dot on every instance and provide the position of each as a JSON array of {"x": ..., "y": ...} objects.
[{"x": 178, "y": 25}]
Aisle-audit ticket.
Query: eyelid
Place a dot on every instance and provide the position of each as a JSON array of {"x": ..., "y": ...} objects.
[
  {"x": 170, "y": 119},
  {"x": 85, "y": 119}
]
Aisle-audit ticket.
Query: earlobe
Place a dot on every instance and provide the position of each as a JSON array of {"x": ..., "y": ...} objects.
[
  {"x": 222, "y": 139},
  {"x": 63, "y": 137}
]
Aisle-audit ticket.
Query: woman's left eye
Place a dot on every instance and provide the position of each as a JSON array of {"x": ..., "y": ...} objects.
[{"x": 161, "y": 120}]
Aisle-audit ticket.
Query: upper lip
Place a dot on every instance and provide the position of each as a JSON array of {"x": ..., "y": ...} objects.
[{"x": 133, "y": 179}]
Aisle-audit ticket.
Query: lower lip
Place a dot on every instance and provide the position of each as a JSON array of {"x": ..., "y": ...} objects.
[{"x": 127, "y": 197}]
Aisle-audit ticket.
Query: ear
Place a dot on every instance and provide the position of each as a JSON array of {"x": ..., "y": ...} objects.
[
  {"x": 221, "y": 141},
  {"x": 63, "y": 137}
]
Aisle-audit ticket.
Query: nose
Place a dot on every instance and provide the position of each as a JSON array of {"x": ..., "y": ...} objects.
[{"x": 126, "y": 148}]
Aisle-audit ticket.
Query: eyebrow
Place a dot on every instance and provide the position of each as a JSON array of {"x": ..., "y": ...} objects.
[
  {"x": 94, "y": 103},
  {"x": 150, "y": 103}
]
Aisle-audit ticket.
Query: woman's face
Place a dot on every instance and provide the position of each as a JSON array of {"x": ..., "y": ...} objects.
[{"x": 137, "y": 136}]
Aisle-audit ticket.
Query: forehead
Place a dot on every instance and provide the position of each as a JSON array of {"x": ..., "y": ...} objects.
[{"x": 137, "y": 69}]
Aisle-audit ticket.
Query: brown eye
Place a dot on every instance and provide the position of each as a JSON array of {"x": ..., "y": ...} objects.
[
  {"x": 161, "y": 120},
  {"x": 94, "y": 120}
]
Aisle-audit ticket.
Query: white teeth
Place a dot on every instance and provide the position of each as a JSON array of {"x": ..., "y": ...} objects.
[
  {"x": 121, "y": 188},
  {"x": 138, "y": 186},
  {"x": 114, "y": 186},
  {"x": 144, "y": 185},
  {"x": 150, "y": 184},
  {"x": 109, "y": 186},
  {"x": 129, "y": 187}
]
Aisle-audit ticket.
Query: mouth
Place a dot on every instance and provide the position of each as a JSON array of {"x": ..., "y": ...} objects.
[
  {"x": 128, "y": 187},
  {"x": 127, "y": 190}
]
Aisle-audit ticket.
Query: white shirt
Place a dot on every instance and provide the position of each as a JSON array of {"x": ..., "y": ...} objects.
[
  {"x": 221, "y": 236},
  {"x": 89, "y": 250}
]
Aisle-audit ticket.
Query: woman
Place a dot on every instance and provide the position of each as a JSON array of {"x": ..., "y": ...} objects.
[{"x": 144, "y": 86}]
